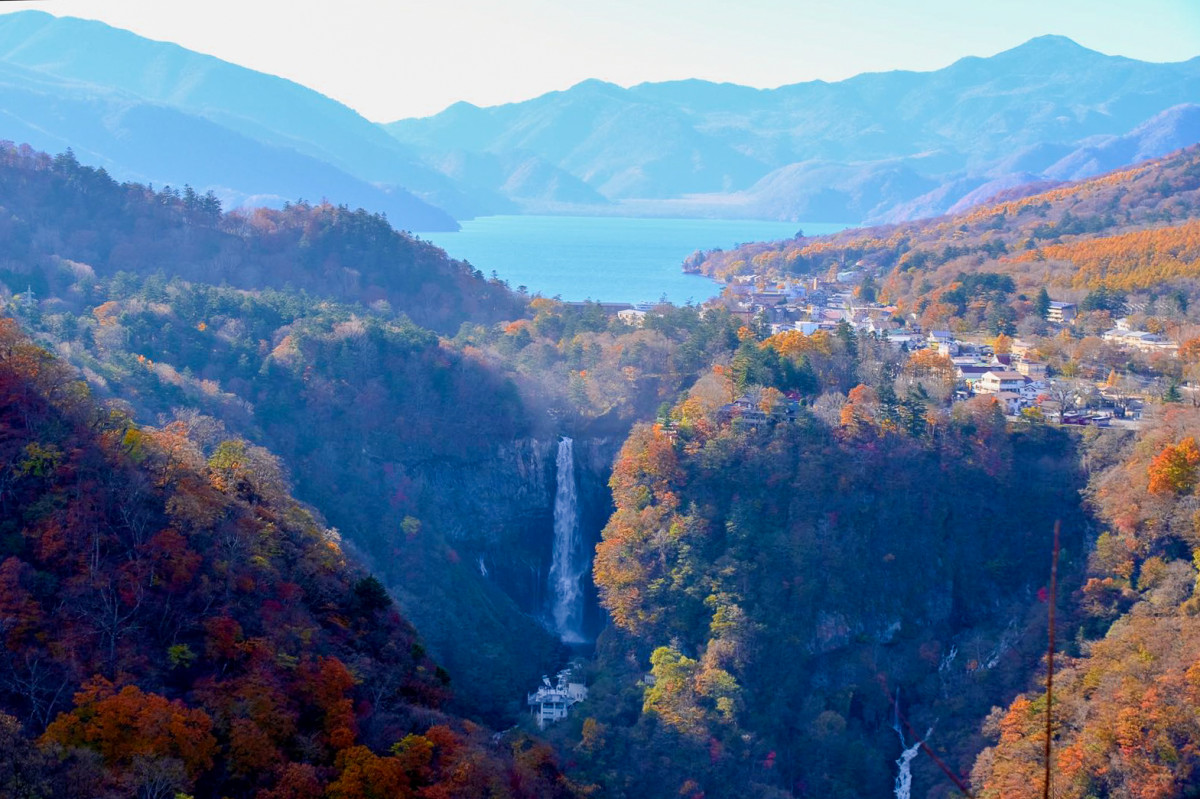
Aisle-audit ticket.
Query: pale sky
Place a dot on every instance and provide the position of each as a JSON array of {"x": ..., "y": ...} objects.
[{"x": 390, "y": 60}]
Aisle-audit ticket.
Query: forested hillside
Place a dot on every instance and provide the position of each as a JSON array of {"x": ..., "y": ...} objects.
[
  {"x": 424, "y": 453},
  {"x": 787, "y": 573},
  {"x": 1127, "y": 707},
  {"x": 357, "y": 400},
  {"x": 1132, "y": 230},
  {"x": 812, "y": 556},
  {"x": 175, "y": 623},
  {"x": 56, "y": 208},
  {"x": 817, "y": 559}
]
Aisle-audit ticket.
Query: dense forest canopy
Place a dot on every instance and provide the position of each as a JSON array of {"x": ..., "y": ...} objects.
[
  {"x": 784, "y": 571},
  {"x": 1127, "y": 704}
]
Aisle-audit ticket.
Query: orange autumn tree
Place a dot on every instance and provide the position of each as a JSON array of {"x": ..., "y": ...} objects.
[
  {"x": 793, "y": 343},
  {"x": 131, "y": 723},
  {"x": 1132, "y": 260},
  {"x": 858, "y": 414},
  {"x": 630, "y": 559},
  {"x": 1189, "y": 350},
  {"x": 928, "y": 364},
  {"x": 366, "y": 775},
  {"x": 1173, "y": 471},
  {"x": 329, "y": 684}
]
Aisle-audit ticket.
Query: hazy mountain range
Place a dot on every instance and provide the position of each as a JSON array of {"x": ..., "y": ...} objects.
[
  {"x": 151, "y": 111},
  {"x": 873, "y": 147},
  {"x": 876, "y": 147}
]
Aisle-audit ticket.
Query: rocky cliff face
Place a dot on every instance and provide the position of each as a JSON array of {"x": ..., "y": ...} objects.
[
  {"x": 474, "y": 579},
  {"x": 498, "y": 513}
]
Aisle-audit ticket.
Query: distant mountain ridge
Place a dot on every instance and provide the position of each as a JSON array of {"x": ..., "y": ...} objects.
[
  {"x": 124, "y": 101},
  {"x": 151, "y": 143},
  {"x": 875, "y": 147}
]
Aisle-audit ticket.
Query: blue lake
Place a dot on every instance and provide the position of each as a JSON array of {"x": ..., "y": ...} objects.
[{"x": 610, "y": 259}]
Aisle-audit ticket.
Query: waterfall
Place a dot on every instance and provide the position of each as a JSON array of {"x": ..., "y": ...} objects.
[
  {"x": 567, "y": 563},
  {"x": 904, "y": 762},
  {"x": 904, "y": 776}
]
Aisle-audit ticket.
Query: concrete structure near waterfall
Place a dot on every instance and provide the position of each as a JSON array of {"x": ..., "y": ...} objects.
[{"x": 551, "y": 703}]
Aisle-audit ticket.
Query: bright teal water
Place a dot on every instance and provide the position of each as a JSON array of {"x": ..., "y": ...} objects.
[{"x": 610, "y": 259}]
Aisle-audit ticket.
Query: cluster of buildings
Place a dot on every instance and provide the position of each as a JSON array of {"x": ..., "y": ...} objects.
[
  {"x": 1014, "y": 380},
  {"x": 811, "y": 305},
  {"x": 1019, "y": 381},
  {"x": 1123, "y": 335}
]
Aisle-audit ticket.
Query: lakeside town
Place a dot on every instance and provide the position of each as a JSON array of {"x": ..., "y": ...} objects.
[
  {"x": 1076, "y": 365},
  {"x": 1105, "y": 378}
]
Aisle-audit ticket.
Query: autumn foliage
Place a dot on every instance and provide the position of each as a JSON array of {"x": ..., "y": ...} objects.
[
  {"x": 173, "y": 611},
  {"x": 754, "y": 563},
  {"x": 1173, "y": 471},
  {"x": 325, "y": 249},
  {"x": 1134, "y": 260},
  {"x": 129, "y": 723},
  {"x": 1131, "y": 229},
  {"x": 1127, "y": 707}
]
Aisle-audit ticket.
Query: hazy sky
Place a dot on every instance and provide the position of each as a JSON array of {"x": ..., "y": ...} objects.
[{"x": 390, "y": 59}]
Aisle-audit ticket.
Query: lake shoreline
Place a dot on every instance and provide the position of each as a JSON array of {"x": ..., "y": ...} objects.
[{"x": 606, "y": 259}]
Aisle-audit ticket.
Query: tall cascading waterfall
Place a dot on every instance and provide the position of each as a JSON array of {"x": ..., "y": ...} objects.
[{"x": 567, "y": 564}]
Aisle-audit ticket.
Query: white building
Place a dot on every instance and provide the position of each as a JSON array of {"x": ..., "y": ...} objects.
[
  {"x": 807, "y": 327},
  {"x": 1138, "y": 339},
  {"x": 944, "y": 341},
  {"x": 551, "y": 703},
  {"x": 995, "y": 382}
]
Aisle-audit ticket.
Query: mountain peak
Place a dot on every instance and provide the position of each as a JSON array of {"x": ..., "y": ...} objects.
[
  {"x": 1048, "y": 46},
  {"x": 1050, "y": 53},
  {"x": 1052, "y": 40},
  {"x": 595, "y": 84}
]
